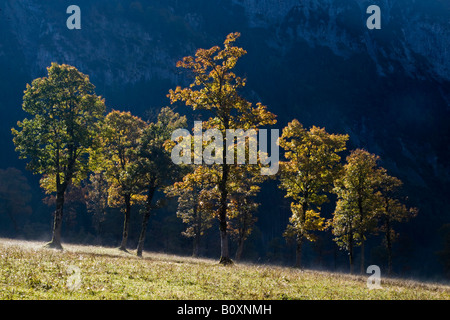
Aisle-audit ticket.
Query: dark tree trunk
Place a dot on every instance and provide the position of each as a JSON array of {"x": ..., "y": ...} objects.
[
  {"x": 60, "y": 192},
  {"x": 148, "y": 210},
  {"x": 389, "y": 245},
  {"x": 141, "y": 241},
  {"x": 196, "y": 246},
  {"x": 299, "y": 240},
  {"x": 239, "y": 249},
  {"x": 224, "y": 250},
  {"x": 350, "y": 250},
  {"x": 361, "y": 232},
  {"x": 198, "y": 231},
  {"x": 362, "y": 270},
  {"x": 61, "y": 187},
  {"x": 241, "y": 235},
  {"x": 57, "y": 222},
  {"x": 298, "y": 252},
  {"x": 335, "y": 254},
  {"x": 55, "y": 243},
  {"x": 126, "y": 223}
]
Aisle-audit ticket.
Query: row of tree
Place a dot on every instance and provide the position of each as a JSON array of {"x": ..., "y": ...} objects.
[
  {"x": 68, "y": 139},
  {"x": 367, "y": 197}
]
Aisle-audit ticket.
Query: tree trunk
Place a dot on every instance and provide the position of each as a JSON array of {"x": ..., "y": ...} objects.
[
  {"x": 126, "y": 223},
  {"x": 55, "y": 243},
  {"x": 361, "y": 232},
  {"x": 197, "y": 229},
  {"x": 224, "y": 251},
  {"x": 335, "y": 255},
  {"x": 350, "y": 250},
  {"x": 389, "y": 245},
  {"x": 240, "y": 249},
  {"x": 362, "y": 271},
  {"x": 196, "y": 245},
  {"x": 298, "y": 252},
  {"x": 140, "y": 247}
]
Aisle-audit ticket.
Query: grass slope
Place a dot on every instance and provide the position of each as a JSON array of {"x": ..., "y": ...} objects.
[{"x": 28, "y": 271}]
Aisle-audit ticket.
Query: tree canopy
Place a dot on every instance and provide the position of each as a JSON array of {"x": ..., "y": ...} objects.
[
  {"x": 61, "y": 132},
  {"x": 125, "y": 163},
  {"x": 216, "y": 90},
  {"x": 312, "y": 164},
  {"x": 120, "y": 136}
]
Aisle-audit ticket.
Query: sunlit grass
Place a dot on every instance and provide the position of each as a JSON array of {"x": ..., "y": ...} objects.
[{"x": 28, "y": 271}]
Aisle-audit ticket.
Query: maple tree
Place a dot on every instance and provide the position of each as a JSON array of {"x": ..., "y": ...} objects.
[
  {"x": 242, "y": 204},
  {"x": 120, "y": 136},
  {"x": 307, "y": 175},
  {"x": 61, "y": 132},
  {"x": 355, "y": 214},
  {"x": 391, "y": 210},
  {"x": 197, "y": 198},
  {"x": 215, "y": 89},
  {"x": 153, "y": 169},
  {"x": 96, "y": 199}
]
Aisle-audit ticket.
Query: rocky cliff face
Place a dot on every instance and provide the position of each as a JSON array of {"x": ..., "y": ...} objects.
[
  {"x": 114, "y": 48},
  {"x": 410, "y": 37},
  {"x": 115, "y": 39},
  {"x": 140, "y": 42}
]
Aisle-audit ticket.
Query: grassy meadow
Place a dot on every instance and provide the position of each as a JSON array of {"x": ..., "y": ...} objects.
[{"x": 29, "y": 271}]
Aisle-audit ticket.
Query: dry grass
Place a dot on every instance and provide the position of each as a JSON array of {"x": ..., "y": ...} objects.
[{"x": 28, "y": 271}]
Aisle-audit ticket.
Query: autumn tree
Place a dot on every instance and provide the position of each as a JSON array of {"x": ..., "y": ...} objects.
[
  {"x": 197, "y": 197},
  {"x": 391, "y": 210},
  {"x": 215, "y": 90},
  {"x": 154, "y": 169},
  {"x": 120, "y": 137},
  {"x": 312, "y": 163},
  {"x": 355, "y": 214},
  {"x": 61, "y": 132},
  {"x": 242, "y": 204},
  {"x": 96, "y": 199}
]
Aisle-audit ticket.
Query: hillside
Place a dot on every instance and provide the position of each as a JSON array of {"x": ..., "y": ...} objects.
[{"x": 27, "y": 271}]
